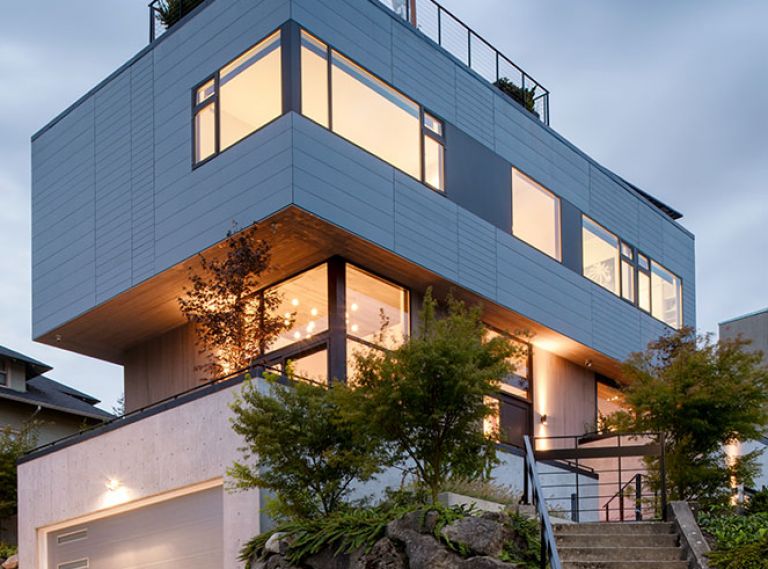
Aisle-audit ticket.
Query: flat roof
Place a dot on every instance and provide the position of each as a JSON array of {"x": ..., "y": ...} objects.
[{"x": 745, "y": 316}]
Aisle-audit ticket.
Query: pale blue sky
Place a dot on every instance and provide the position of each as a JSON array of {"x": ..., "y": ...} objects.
[{"x": 672, "y": 95}]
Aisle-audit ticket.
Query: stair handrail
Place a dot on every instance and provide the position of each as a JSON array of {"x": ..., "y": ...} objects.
[
  {"x": 549, "y": 552},
  {"x": 637, "y": 480}
]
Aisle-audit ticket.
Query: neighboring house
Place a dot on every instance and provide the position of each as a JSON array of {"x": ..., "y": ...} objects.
[
  {"x": 378, "y": 163},
  {"x": 26, "y": 394},
  {"x": 57, "y": 410},
  {"x": 752, "y": 327}
]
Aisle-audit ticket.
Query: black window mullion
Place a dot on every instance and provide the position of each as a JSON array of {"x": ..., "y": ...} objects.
[{"x": 337, "y": 325}]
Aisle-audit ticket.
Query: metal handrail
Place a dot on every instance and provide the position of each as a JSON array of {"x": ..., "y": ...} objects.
[
  {"x": 549, "y": 554},
  {"x": 637, "y": 480},
  {"x": 183, "y": 7},
  {"x": 468, "y": 47}
]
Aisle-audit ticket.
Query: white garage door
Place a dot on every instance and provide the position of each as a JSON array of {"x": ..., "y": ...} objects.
[{"x": 182, "y": 533}]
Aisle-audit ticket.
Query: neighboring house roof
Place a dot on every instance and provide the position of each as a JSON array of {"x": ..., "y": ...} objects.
[
  {"x": 50, "y": 394},
  {"x": 33, "y": 366}
]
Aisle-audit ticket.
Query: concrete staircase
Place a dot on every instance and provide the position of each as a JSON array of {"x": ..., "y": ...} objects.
[{"x": 641, "y": 545}]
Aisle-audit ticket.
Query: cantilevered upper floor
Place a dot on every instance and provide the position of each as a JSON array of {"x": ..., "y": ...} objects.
[{"x": 345, "y": 130}]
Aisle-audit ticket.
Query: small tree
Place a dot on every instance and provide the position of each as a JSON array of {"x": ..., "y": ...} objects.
[
  {"x": 300, "y": 445},
  {"x": 429, "y": 397},
  {"x": 704, "y": 396},
  {"x": 13, "y": 444},
  {"x": 234, "y": 323}
]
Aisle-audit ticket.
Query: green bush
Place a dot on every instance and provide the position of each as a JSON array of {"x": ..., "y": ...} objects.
[
  {"x": 171, "y": 11},
  {"x": 758, "y": 503},
  {"x": 741, "y": 542},
  {"x": 525, "y": 549},
  {"x": 7, "y": 551},
  {"x": 526, "y": 97}
]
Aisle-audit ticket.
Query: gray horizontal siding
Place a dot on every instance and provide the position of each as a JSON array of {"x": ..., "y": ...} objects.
[{"x": 115, "y": 199}]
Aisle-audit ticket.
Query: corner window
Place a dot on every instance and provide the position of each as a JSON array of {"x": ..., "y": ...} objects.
[
  {"x": 242, "y": 97},
  {"x": 377, "y": 310},
  {"x": 535, "y": 215},
  {"x": 303, "y": 302},
  {"x": 666, "y": 295},
  {"x": 516, "y": 383},
  {"x": 360, "y": 107},
  {"x": 601, "y": 255},
  {"x": 311, "y": 366}
]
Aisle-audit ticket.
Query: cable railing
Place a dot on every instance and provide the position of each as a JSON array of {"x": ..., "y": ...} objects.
[
  {"x": 449, "y": 32},
  {"x": 604, "y": 477},
  {"x": 549, "y": 556},
  {"x": 163, "y": 14}
]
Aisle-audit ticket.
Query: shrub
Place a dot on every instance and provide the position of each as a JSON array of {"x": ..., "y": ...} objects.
[
  {"x": 171, "y": 11},
  {"x": 298, "y": 444},
  {"x": 428, "y": 398},
  {"x": 758, "y": 503},
  {"x": 705, "y": 396},
  {"x": 750, "y": 556},
  {"x": 13, "y": 444},
  {"x": 732, "y": 531},
  {"x": 526, "y": 97},
  {"x": 7, "y": 551},
  {"x": 525, "y": 549}
]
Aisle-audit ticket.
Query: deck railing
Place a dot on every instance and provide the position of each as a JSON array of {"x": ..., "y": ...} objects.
[{"x": 472, "y": 50}]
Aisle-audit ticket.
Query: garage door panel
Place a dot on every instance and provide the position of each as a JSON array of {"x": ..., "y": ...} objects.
[{"x": 184, "y": 532}]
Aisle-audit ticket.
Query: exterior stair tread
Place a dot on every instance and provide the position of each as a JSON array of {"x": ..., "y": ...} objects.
[
  {"x": 617, "y": 540},
  {"x": 627, "y": 528},
  {"x": 620, "y": 553},
  {"x": 625, "y": 564}
]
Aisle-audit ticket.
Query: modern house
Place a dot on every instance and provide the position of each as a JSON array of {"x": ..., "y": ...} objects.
[
  {"x": 370, "y": 142},
  {"x": 754, "y": 328}
]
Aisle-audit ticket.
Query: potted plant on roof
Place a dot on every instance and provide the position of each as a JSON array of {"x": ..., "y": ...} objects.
[
  {"x": 169, "y": 12},
  {"x": 526, "y": 97}
]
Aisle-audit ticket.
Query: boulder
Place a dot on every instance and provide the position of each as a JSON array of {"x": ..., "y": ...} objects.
[
  {"x": 12, "y": 562},
  {"x": 484, "y": 562},
  {"x": 383, "y": 555},
  {"x": 277, "y": 543},
  {"x": 482, "y": 536},
  {"x": 279, "y": 562}
]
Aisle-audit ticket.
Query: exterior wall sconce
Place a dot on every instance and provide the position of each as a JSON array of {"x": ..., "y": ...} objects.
[
  {"x": 113, "y": 485},
  {"x": 544, "y": 419},
  {"x": 588, "y": 364}
]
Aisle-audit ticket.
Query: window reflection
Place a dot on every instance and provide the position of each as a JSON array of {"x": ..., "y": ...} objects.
[
  {"x": 601, "y": 255},
  {"x": 535, "y": 215},
  {"x": 313, "y": 367},
  {"x": 205, "y": 132},
  {"x": 304, "y": 304},
  {"x": 517, "y": 382},
  {"x": 314, "y": 79},
  {"x": 377, "y": 310},
  {"x": 665, "y": 295}
]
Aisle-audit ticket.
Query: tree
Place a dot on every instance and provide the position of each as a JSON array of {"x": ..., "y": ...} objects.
[
  {"x": 234, "y": 322},
  {"x": 299, "y": 444},
  {"x": 704, "y": 396},
  {"x": 429, "y": 397},
  {"x": 13, "y": 444}
]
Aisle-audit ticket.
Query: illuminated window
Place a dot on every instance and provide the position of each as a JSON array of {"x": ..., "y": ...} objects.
[
  {"x": 355, "y": 349},
  {"x": 312, "y": 366},
  {"x": 368, "y": 112},
  {"x": 314, "y": 75},
  {"x": 535, "y": 215},
  {"x": 643, "y": 283},
  {"x": 609, "y": 401},
  {"x": 373, "y": 115},
  {"x": 377, "y": 310},
  {"x": 434, "y": 153},
  {"x": 666, "y": 293},
  {"x": 627, "y": 273},
  {"x": 518, "y": 382},
  {"x": 241, "y": 98},
  {"x": 601, "y": 255},
  {"x": 303, "y": 304}
]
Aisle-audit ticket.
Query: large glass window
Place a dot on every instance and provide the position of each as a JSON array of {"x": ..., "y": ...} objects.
[
  {"x": 304, "y": 304},
  {"x": 601, "y": 255},
  {"x": 311, "y": 366},
  {"x": 666, "y": 296},
  {"x": 535, "y": 215},
  {"x": 241, "y": 98},
  {"x": 609, "y": 401},
  {"x": 375, "y": 116},
  {"x": 314, "y": 75},
  {"x": 368, "y": 112},
  {"x": 518, "y": 382},
  {"x": 377, "y": 310}
]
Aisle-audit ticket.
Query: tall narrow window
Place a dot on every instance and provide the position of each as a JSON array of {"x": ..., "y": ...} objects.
[
  {"x": 535, "y": 215},
  {"x": 314, "y": 79},
  {"x": 239, "y": 99},
  {"x": 601, "y": 255},
  {"x": 4, "y": 373},
  {"x": 370, "y": 113},
  {"x": 627, "y": 273},
  {"x": 643, "y": 283},
  {"x": 434, "y": 153},
  {"x": 250, "y": 92},
  {"x": 666, "y": 293}
]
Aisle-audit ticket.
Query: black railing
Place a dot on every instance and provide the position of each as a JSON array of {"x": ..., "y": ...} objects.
[
  {"x": 549, "y": 556},
  {"x": 472, "y": 50},
  {"x": 256, "y": 371},
  {"x": 612, "y": 477},
  {"x": 164, "y": 14}
]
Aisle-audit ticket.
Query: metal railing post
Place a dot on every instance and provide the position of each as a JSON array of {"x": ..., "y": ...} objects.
[
  {"x": 639, "y": 497},
  {"x": 151, "y": 22},
  {"x": 663, "y": 474}
]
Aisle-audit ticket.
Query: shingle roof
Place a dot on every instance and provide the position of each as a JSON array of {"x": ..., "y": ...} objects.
[
  {"x": 51, "y": 394},
  {"x": 33, "y": 366}
]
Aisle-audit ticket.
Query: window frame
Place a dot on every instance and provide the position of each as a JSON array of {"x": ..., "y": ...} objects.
[
  {"x": 558, "y": 217},
  {"x": 283, "y": 37},
  {"x": 5, "y": 373},
  {"x": 427, "y": 132},
  {"x": 617, "y": 292}
]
